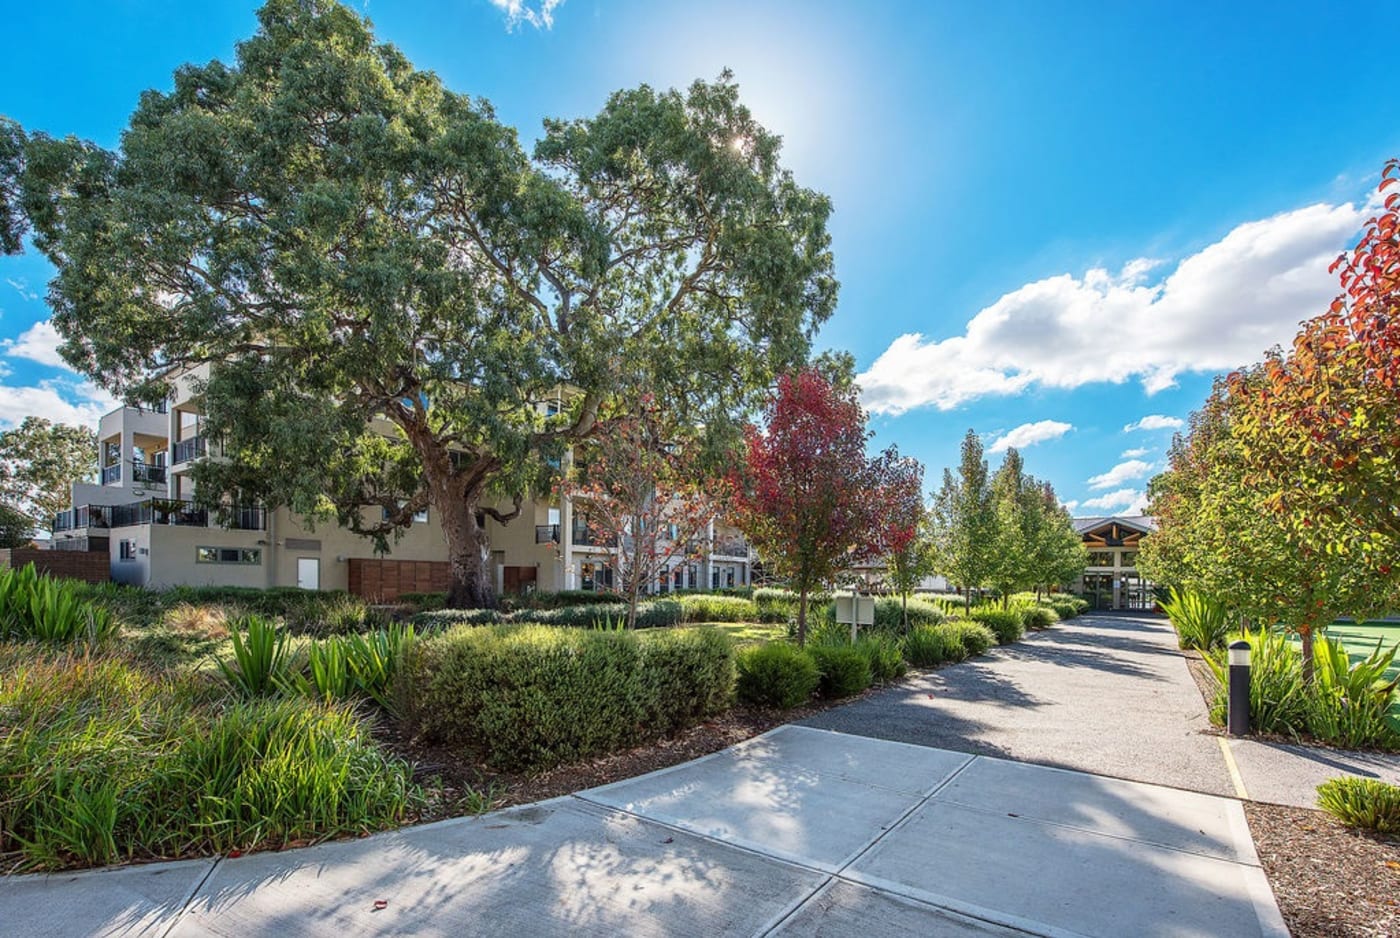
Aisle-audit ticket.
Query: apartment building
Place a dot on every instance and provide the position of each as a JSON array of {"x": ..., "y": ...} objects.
[{"x": 141, "y": 512}]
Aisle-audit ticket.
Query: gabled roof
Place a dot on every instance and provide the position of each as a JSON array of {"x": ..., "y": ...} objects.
[{"x": 1143, "y": 523}]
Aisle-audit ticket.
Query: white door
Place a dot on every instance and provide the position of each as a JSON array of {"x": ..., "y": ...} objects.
[{"x": 309, "y": 573}]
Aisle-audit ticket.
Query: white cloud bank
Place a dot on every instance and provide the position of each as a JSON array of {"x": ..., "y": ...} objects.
[
  {"x": 1155, "y": 422},
  {"x": 74, "y": 402},
  {"x": 1123, "y": 472},
  {"x": 1028, "y": 434},
  {"x": 539, "y": 15},
  {"x": 1221, "y": 308},
  {"x": 38, "y": 343},
  {"x": 1134, "y": 453},
  {"x": 1123, "y": 501}
]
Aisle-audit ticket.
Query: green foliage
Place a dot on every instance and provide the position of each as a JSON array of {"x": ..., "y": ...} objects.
[
  {"x": 884, "y": 655},
  {"x": 261, "y": 664},
  {"x": 963, "y": 520},
  {"x": 548, "y": 600},
  {"x": 1365, "y": 803},
  {"x": 424, "y": 602},
  {"x": 974, "y": 637},
  {"x": 1038, "y": 616},
  {"x": 36, "y": 607},
  {"x": 929, "y": 646},
  {"x": 1278, "y": 701},
  {"x": 1200, "y": 621},
  {"x": 39, "y": 462},
  {"x": 534, "y": 696},
  {"x": 105, "y": 763},
  {"x": 777, "y": 675},
  {"x": 438, "y": 620},
  {"x": 845, "y": 669},
  {"x": 1006, "y": 624},
  {"x": 774, "y": 605},
  {"x": 1349, "y": 701},
  {"x": 709, "y": 607}
]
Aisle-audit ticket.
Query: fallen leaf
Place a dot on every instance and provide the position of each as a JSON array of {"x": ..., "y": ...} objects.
[{"x": 380, "y": 905}]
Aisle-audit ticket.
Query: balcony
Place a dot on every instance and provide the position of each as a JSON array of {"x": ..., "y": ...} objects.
[
  {"x": 187, "y": 514},
  {"x": 83, "y": 516},
  {"x": 731, "y": 547},
  {"x": 143, "y": 474},
  {"x": 581, "y": 536},
  {"x": 112, "y": 474},
  {"x": 185, "y": 450},
  {"x": 546, "y": 534}
]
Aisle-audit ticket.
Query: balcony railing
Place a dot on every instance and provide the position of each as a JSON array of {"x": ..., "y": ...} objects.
[
  {"x": 185, "y": 450},
  {"x": 546, "y": 534},
  {"x": 583, "y": 537},
  {"x": 79, "y": 543},
  {"x": 83, "y": 516},
  {"x": 147, "y": 474},
  {"x": 731, "y": 547},
  {"x": 188, "y": 514},
  {"x": 112, "y": 473}
]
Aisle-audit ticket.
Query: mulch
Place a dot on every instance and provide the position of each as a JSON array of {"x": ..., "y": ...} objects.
[{"x": 1330, "y": 881}]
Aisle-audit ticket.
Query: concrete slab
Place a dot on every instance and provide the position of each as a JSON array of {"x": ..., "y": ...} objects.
[
  {"x": 130, "y": 900},
  {"x": 842, "y": 909},
  {"x": 1051, "y": 879},
  {"x": 559, "y": 867},
  {"x": 808, "y": 796},
  {"x": 1167, "y": 817},
  {"x": 1286, "y": 774}
]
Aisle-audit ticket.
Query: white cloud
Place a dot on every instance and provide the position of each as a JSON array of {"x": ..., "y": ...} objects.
[
  {"x": 1069, "y": 506},
  {"x": 1028, "y": 434},
  {"x": 1155, "y": 422},
  {"x": 38, "y": 343},
  {"x": 72, "y": 402},
  {"x": 1221, "y": 308},
  {"x": 22, "y": 288},
  {"x": 1134, "y": 453},
  {"x": 1126, "y": 501},
  {"x": 1123, "y": 472},
  {"x": 539, "y": 15}
]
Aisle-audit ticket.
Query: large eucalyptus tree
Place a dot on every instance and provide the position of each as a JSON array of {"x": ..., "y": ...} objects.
[{"x": 392, "y": 287}]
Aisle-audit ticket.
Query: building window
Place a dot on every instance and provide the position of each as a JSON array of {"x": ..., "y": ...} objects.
[
  {"x": 242, "y": 555},
  {"x": 1129, "y": 558},
  {"x": 126, "y": 550},
  {"x": 1100, "y": 558},
  {"x": 419, "y": 517}
]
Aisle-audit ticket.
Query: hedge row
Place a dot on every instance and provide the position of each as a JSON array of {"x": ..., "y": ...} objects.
[{"x": 533, "y": 696}]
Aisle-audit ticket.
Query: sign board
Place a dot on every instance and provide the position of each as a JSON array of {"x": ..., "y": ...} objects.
[{"x": 855, "y": 610}]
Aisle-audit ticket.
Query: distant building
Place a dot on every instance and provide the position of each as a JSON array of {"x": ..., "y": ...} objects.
[{"x": 1111, "y": 578}]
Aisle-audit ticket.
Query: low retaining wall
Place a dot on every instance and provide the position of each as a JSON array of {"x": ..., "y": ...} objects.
[
  {"x": 384, "y": 581},
  {"x": 90, "y": 566}
]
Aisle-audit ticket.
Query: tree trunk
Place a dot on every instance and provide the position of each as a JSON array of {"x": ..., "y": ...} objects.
[
  {"x": 802, "y": 617},
  {"x": 470, "y": 583},
  {"x": 906, "y": 612},
  {"x": 1307, "y": 634},
  {"x": 967, "y": 599}
]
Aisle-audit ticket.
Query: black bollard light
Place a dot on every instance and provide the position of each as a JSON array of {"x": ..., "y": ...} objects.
[{"x": 1237, "y": 722}]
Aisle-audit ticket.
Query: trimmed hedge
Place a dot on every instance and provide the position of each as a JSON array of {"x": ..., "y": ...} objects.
[
  {"x": 442, "y": 619},
  {"x": 531, "y": 696},
  {"x": 656, "y": 614},
  {"x": 777, "y": 675},
  {"x": 974, "y": 637},
  {"x": 932, "y": 645},
  {"x": 845, "y": 670},
  {"x": 1038, "y": 617},
  {"x": 1005, "y": 623},
  {"x": 712, "y": 607}
]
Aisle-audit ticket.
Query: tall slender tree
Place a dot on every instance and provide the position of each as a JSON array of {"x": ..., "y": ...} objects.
[
  {"x": 964, "y": 522},
  {"x": 390, "y": 288},
  {"x": 904, "y": 541}
]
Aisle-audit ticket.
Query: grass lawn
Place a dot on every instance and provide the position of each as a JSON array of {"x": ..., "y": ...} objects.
[{"x": 750, "y": 633}]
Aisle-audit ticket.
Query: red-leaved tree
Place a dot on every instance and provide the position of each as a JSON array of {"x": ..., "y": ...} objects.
[
  {"x": 806, "y": 495},
  {"x": 644, "y": 493}
]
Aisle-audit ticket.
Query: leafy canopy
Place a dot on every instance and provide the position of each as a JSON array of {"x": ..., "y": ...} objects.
[{"x": 39, "y": 462}]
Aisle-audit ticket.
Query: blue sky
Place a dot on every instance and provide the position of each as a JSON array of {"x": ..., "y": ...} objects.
[{"x": 1052, "y": 220}]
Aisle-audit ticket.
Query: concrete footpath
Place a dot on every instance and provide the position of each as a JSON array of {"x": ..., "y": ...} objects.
[{"x": 800, "y": 831}]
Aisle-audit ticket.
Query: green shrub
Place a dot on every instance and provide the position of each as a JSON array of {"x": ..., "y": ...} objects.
[
  {"x": 424, "y": 602},
  {"x": 1348, "y": 702},
  {"x": 973, "y": 637},
  {"x": 845, "y": 670},
  {"x": 777, "y": 675},
  {"x": 556, "y": 600},
  {"x": 932, "y": 645},
  {"x": 1200, "y": 621},
  {"x": 1366, "y": 803},
  {"x": 535, "y": 696},
  {"x": 709, "y": 607},
  {"x": 261, "y": 665},
  {"x": 36, "y": 607},
  {"x": 883, "y": 653},
  {"x": 1005, "y": 623},
  {"x": 105, "y": 763},
  {"x": 442, "y": 619},
  {"x": 1065, "y": 610},
  {"x": 774, "y": 605},
  {"x": 1038, "y": 617},
  {"x": 1278, "y": 701}
]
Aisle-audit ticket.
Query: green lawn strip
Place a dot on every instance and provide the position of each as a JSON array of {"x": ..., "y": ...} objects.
[{"x": 748, "y": 633}]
